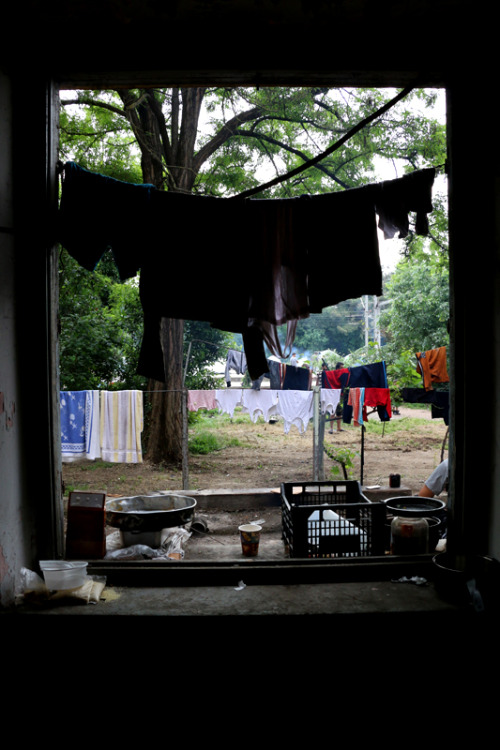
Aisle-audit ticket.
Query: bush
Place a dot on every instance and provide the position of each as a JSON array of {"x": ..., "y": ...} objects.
[{"x": 203, "y": 443}]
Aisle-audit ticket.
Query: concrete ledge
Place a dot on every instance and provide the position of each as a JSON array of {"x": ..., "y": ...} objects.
[
  {"x": 235, "y": 499},
  {"x": 227, "y": 499},
  {"x": 384, "y": 493}
]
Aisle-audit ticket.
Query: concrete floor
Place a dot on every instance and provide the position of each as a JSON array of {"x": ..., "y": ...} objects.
[{"x": 215, "y": 583}]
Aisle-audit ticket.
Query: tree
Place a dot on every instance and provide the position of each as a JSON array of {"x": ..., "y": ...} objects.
[
  {"x": 243, "y": 129},
  {"x": 417, "y": 319},
  {"x": 101, "y": 328},
  {"x": 339, "y": 327}
]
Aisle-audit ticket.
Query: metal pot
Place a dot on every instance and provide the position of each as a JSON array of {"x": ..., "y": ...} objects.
[
  {"x": 414, "y": 506},
  {"x": 145, "y": 513}
]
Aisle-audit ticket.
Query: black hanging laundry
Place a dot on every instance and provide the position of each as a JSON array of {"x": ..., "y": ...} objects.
[
  {"x": 339, "y": 232},
  {"x": 303, "y": 254},
  {"x": 440, "y": 407},
  {"x": 274, "y": 374},
  {"x": 347, "y": 410},
  {"x": 296, "y": 379},
  {"x": 439, "y": 400},
  {"x": 373, "y": 375},
  {"x": 98, "y": 213},
  {"x": 396, "y": 198}
]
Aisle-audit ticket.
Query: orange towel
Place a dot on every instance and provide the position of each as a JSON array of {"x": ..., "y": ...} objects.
[{"x": 432, "y": 366}]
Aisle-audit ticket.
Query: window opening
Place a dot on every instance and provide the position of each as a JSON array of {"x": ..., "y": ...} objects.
[{"x": 236, "y": 166}]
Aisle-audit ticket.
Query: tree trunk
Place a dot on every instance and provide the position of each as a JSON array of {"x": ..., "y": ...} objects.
[{"x": 165, "y": 435}]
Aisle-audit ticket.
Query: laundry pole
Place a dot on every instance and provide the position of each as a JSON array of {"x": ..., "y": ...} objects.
[
  {"x": 185, "y": 436},
  {"x": 318, "y": 436}
]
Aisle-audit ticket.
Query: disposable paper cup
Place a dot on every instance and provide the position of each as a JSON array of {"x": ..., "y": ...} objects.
[{"x": 250, "y": 536}]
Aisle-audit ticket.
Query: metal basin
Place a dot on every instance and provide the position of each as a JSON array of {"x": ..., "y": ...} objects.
[
  {"x": 415, "y": 506},
  {"x": 145, "y": 513}
]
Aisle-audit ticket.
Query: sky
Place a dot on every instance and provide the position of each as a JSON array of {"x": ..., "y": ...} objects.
[{"x": 390, "y": 250}]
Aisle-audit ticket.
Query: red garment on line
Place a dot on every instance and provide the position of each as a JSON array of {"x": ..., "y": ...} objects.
[
  {"x": 334, "y": 377},
  {"x": 377, "y": 397}
]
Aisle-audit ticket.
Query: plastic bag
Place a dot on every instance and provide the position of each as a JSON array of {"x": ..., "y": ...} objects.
[
  {"x": 31, "y": 582},
  {"x": 173, "y": 544},
  {"x": 134, "y": 552},
  {"x": 172, "y": 548}
]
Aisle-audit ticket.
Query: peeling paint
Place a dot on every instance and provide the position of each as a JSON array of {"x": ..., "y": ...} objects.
[
  {"x": 4, "y": 569},
  {"x": 9, "y": 414}
]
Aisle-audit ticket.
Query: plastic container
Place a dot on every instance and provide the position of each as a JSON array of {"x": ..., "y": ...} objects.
[
  {"x": 331, "y": 519},
  {"x": 409, "y": 536},
  {"x": 436, "y": 526},
  {"x": 63, "y": 574}
]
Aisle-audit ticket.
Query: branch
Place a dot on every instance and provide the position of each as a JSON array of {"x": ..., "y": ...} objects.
[
  {"x": 175, "y": 119},
  {"x": 224, "y": 134},
  {"x": 291, "y": 149},
  {"x": 162, "y": 129},
  {"x": 441, "y": 246},
  {"x": 312, "y": 162},
  {"x": 94, "y": 103}
]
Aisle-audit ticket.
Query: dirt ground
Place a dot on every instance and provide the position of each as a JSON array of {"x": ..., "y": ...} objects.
[{"x": 265, "y": 456}]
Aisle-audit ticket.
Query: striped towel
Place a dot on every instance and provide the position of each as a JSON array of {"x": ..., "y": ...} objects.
[{"x": 121, "y": 426}]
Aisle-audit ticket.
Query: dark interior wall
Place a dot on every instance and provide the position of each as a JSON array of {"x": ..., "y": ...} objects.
[
  {"x": 195, "y": 43},
  {"x": 253, "y": 41}
]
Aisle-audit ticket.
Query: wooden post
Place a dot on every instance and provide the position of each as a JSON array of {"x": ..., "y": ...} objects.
[
  {"x": 318, "y": 437},
  {"x": 185, "y": 436}
]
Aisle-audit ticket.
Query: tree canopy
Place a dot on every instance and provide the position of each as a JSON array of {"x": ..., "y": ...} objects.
[{"x": 223, "y": 141}]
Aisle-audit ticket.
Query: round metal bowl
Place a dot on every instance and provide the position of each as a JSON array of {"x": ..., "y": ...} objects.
[
  {"x": 149, "y": 512},
  {"x": 415, "y": 506}
]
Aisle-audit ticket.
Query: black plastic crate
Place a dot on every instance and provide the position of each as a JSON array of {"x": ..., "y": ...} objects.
[{"x": 331, "y": 519}]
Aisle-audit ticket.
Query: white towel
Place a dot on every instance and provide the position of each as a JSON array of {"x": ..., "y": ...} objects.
[
  {"x": 121, "y": 426},
  {"x": 92, "y": 426},
  {"x": 228, "y": 399},
  {"x": 330, "y": 398},
  {"x": 296, "y": 407},
  {"x": 260, "y": 403}
]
